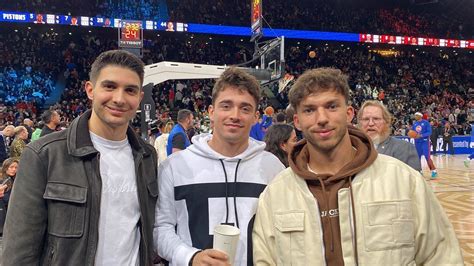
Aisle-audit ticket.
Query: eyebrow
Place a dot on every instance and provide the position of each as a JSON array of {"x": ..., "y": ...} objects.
[
  {"x": 231, "y": 102},
  {"x": 111, "y": 82}
]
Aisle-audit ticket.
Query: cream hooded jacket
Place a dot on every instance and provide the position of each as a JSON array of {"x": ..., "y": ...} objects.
[{"x": 398, "y": 221}]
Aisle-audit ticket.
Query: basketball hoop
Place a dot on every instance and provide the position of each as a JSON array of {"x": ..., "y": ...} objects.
[{"x": 284, "y": 82}]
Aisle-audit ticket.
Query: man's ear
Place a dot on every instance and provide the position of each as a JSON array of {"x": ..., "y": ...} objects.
[
  {"x": 210, "y": 110},
  {"x": 89, "y": 88},
  {"x": 296, "y": 122},
  {"x": 350, "y": 114}
]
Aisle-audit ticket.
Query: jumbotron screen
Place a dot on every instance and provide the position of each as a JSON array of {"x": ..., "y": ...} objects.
[{"x": 407, "y": 40}]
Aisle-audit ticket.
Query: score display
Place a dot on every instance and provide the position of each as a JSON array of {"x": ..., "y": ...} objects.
[
  {"x": 253, "y": 31},
  {"x": 131, "y": 34},
  {"x": 256, "y": 20},
  {"x": 421, "y": 41}
]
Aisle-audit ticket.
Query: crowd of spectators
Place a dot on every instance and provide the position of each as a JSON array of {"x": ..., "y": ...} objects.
[
  {"x": 28, "y": 72},
  {"x": 341, "y": 16},
  {"x": 407, "y": 81}
]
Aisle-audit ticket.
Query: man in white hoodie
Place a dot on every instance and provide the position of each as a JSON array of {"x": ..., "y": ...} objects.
[{"x": 217, "y": 180}]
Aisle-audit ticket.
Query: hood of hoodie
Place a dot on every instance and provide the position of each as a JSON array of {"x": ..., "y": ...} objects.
[
  {"x": 325, "y": 187},
  {"x": 365, "y": 155},
  {"x": 200, "y": 146}
]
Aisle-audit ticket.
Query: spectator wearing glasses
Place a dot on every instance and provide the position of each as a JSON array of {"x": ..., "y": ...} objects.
[{"x": 375, "y": 120}]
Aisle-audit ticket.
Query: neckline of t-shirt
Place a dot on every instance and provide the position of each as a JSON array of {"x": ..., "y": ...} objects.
[{"x": 114, "y": 144}]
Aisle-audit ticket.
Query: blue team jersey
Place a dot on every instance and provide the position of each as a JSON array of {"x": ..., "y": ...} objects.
[{"x": 423, "y": 128}]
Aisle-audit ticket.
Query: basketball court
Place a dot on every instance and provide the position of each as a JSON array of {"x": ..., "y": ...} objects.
[{"x": 455, "y": 190}]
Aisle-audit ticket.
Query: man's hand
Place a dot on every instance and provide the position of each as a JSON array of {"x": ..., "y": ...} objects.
[
  {"x": 211, "y": 257},
  {"x": 2, "y": 190}
]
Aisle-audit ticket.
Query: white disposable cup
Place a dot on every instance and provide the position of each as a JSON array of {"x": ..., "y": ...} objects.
[{"x": 226, "y": 239}]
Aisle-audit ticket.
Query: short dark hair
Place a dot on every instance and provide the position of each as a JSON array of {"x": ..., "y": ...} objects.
[
  {"x": 276, "y": 135},
  {"x": 318, "y": 80},
  {"x": 240, "y": 79},
  {"x": 183, "y": 114},
  {"x": 120, "y": 58},
  {"x": 47, "y": 115},
  {"x": 280, "y": 117}
]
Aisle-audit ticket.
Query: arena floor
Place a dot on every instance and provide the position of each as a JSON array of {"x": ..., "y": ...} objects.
[{"x": 455, "y": 190}]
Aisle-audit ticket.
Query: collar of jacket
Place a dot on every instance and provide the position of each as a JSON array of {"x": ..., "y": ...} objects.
[{"x": 79, "y": 141}]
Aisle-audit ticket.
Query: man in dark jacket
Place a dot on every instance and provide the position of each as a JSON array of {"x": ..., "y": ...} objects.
[
  {"x": 86, "y": 195},
  {"x": 435, "y": 132}
]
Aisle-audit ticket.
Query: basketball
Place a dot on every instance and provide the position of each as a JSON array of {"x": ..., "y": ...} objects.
[
  {"x": 412, "y": 133},
  {"x": 269, "y": 111},
  {"x": 312, "y": 54}
]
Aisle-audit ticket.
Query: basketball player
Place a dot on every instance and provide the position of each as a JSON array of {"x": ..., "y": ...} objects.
[{"x": 422, "y": 141}]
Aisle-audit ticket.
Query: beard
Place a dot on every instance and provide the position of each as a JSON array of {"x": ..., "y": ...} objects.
[{"x": 382, "y": 136}]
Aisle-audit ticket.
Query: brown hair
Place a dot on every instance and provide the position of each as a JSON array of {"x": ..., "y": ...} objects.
[
  {"x": 387, "y": 117},
  {"x": 5, "y": 166},
  {"x": 120, "y": 58},
  {"x": 318, "y": 80},
  {"x": 237, "y": 78}
]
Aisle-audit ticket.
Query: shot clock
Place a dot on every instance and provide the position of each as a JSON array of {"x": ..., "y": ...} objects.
[{"x": 131, "y": 34}]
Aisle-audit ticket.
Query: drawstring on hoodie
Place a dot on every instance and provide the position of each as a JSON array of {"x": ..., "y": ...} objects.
[
  {"x": 327, "y": 208},
  {"x": 227, "y": 193}
]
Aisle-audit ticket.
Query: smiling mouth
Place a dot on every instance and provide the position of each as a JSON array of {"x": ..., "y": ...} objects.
[
  {"x": 324, "y": 133},
  {"x": 233, "y": 126},
  {"x": 115, "y": 110}
]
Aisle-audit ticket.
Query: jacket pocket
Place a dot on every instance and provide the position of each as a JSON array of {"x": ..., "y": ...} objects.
[
  {"x": 66, "y": 209},
  {"x": 289, "y": 237},
  {"x": 388, "y": 225}
]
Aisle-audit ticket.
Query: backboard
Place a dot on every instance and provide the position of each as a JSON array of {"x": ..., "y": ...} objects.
[{"x": 273, "y": 57}]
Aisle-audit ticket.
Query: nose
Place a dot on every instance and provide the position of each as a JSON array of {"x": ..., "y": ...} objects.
[
  {"x": 322, "y": 117},
  {"x": 118, "y": 97},
  {"x": 235, "y": 113}
]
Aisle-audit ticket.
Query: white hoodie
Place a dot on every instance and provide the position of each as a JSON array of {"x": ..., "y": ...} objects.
[{"x": 192, "y": 198}]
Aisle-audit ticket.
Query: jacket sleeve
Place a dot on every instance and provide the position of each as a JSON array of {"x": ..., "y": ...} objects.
[
  {"x": 27, "y": 213},
  {"x": 262, "y": 237},
  {"x": 168, "y": 244},
  {"x": 435, "y": 240}
]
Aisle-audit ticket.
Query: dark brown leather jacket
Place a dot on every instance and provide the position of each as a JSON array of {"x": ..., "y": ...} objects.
[{"x": 53, "y": 215}]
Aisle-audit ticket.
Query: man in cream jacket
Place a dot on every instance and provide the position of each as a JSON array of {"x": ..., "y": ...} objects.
[{"x": 341, "y": 203}]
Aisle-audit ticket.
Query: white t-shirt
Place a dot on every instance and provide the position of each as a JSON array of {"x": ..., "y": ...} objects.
[{"x": 119, "y": 234}]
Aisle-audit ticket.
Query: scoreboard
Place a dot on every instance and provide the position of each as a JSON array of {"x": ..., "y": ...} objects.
[
  {"x": 421, "y": 41},
  {"x": 129, "y": 35}
]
